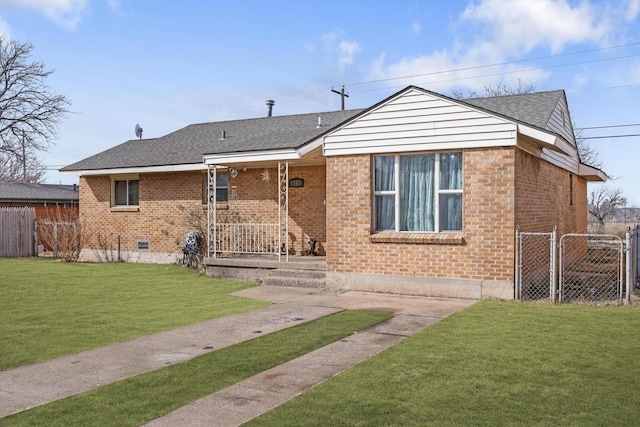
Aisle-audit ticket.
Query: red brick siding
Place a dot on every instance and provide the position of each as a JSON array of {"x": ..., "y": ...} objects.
[
  {"x": 543, "y": 197},
  {"x": 488, "y": 226},
  {"x": 160, "y": 219}
]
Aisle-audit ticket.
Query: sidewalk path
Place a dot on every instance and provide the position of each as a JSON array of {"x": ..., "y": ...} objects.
[
  {"x": 254, "y": 396},
  {"x": 33, "y": 385}
]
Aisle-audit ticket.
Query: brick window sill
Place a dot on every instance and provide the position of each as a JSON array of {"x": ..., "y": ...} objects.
[
  {"x": 419, "y": 238},
  {"x": 125, "y": 209}
]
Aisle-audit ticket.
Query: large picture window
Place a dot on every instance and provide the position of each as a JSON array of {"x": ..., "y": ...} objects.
[
  {"x": 418, "y": 192},
  {"x": 126, "y": 192}
]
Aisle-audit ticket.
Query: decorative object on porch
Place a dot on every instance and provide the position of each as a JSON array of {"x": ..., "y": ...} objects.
[
  {"x": 311, "y": 242},
  {"x": 296, "y": 183},
  {"x": 190, "y": 250},
  {"x": 233, "y": 173},
  {"x": 264, "y": 176}
]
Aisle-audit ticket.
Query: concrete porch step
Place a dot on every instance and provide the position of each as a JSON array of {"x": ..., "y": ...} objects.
[
  {"x": 296, "y": 278},
  {"x": 290, "y": 272}
]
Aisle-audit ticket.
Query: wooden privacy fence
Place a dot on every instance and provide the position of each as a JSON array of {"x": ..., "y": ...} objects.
[{"x": 17, "y": 228}]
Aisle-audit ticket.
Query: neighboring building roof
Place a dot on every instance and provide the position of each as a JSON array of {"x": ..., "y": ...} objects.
[
  {"x": 531, "y": 108},
  {"x": 18, "y": 192},
  {"x": 187, "y": 145}
]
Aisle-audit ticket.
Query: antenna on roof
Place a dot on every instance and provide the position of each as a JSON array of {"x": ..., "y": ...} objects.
[{"x": 138, "y": 131}]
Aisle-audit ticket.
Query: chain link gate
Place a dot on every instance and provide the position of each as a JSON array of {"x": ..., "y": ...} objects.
[
  {"x": 591, "y": 269},
  {"x": 536, "y": 266}
]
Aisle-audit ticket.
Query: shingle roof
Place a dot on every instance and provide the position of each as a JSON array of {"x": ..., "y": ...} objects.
[
  {"x": 187, "y": 145},
  {"x": 18, "y": 191},
  {"x": 531, "y": 108}
]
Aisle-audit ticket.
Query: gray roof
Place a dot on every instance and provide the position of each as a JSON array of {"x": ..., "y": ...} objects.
[
  {"x": 531, "y": 108},
  {"x": 187, "y": 145},
  {"x": 21, "y": 192}
]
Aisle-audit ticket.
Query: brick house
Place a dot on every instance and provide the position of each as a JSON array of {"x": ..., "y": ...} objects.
[{"x": 419, "y": 194}]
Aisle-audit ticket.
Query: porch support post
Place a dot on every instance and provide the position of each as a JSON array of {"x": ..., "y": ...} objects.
[
  {"x": 212, "y": 205},
  {"x": 283, "y": 209}
]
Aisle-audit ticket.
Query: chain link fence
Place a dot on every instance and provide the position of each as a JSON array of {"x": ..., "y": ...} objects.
[
  {"x": 535, "y": 267},
  {"x": 591, "y": 269},
  {"x": 577, "y": 268}
]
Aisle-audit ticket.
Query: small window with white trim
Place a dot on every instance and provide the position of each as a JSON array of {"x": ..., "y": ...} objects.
[{"x": 418, "y": 192}]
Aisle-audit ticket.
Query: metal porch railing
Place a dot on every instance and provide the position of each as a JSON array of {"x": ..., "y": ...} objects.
[{"x": 247, "y": 239}]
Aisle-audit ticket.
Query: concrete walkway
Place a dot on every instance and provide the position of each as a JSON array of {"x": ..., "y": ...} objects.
[{"x": 32, "y": 385}]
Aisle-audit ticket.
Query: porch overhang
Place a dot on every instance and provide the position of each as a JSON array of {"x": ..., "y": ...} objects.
[
  {"x": 308, "y": 154},
  {"x": 250, "y": 157}
]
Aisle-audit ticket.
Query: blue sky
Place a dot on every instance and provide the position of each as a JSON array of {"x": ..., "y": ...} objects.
[{"x": 166, "y": 64}]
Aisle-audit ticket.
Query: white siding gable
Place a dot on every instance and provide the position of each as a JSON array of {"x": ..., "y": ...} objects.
[
  {"x": 419, "y": 121},
  {"x": 560, "y": 122}
]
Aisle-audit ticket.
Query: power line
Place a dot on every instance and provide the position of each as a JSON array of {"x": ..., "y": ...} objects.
[
  {"x": 490, "y": 74},
  {"x": 609, "y": 126},
  {"x": 476, "y": 67},
  {"x": 610, "y": 136}
]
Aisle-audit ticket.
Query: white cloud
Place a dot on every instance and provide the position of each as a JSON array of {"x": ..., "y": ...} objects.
[
  {"x": 342, "y": 51},
  {"x": 633, "y": 9},
  {"x": 501, "y": 30},
  {"x": 580, "y": 80},
  {"x": 346, "y": 51},
  {"x": 526, "y": 24},
  {"x": 67, "y": 13}
]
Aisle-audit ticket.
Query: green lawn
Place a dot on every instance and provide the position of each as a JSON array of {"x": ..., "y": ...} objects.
[
  {"x": 494, "y": 364},
  {"x": 49, "y": 309},
  {"x": 142, "y": 398}
]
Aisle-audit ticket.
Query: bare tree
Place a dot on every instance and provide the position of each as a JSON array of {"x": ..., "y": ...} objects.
[
  {"x": 604, "y": 201},
  {"x": 29, "y": 112},
  {"x": 499, "y": 89},
  {"x": 27, "y": 168},
  {"x": 589, "y": 155}
]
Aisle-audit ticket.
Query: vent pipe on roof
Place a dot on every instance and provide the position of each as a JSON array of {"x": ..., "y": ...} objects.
[
  {"x": 319, "y": 122},
  {"x": 270, "y": 103},
  {"x": 223, "y": 135}
]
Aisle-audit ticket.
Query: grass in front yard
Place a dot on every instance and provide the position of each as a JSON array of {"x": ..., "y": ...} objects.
[
  {"x": 49, "y": 309},
  {"x": 139, "y": 399},
  {"x": 496, "y": 363}
]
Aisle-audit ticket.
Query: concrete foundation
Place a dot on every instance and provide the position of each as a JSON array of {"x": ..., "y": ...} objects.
[{"x": 424, "y": 286}]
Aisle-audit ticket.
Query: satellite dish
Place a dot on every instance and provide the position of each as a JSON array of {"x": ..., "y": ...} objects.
[{"x": 138, "y": 131}]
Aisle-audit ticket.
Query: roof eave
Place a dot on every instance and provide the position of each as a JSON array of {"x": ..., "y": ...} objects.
[
  {"x": 591, "y": 173},
  {"x": 136, "y": 169},
  {"x": 547, "y": 139}
]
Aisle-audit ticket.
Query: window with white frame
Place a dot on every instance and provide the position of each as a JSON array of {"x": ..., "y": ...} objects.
[
  {"x": 125, "y": 191},
  {"x": 418, "y": 192}
]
